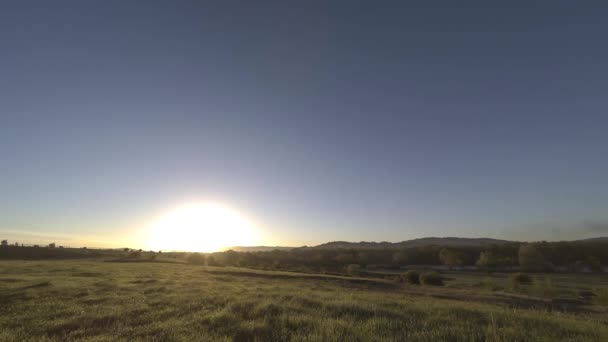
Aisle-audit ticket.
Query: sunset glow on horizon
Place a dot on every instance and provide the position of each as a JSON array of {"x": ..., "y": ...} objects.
[{"x": 201, "y": 227}]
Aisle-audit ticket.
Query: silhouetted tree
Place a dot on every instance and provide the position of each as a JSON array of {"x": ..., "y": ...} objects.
[
  {"x": 450, "y": 257},
  {"x": 52, "y": 245},
  {"x": 594, "y": 264},
  {"x": 4, "y": 243},
  {"x": 530, "y": 258},
  {"x": 345, "y": 258},
  {"x": 400, "y": 258}
]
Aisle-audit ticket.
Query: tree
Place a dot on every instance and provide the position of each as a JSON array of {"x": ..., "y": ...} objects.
[
  {"x": 4, "y": 243},
  {"x": 530, "y": 259},
  {"x": 346, "y": 258},
  {"x": 431, "y": 278},
  {"x": 489, "y": 260},
  {"x": 450, "y": 257},
  {"x": 594, "y": 264},
  {"x": 196, "y": 258},
  {"x": 400, "y": 258},
  {"x": 211, "y": 261},
  {"x": 52, "y": 245}
]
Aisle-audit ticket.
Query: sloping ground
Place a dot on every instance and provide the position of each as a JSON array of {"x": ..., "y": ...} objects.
[
  {"x": 96, "y": 301},
  {"x": 509, "y": 300}
]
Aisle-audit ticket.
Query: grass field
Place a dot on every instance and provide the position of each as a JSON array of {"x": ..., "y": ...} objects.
[{"x": 152, "y": 301}]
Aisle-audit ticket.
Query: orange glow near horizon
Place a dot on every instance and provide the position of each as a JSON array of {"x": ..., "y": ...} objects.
[{"x": 201, "y": 227}]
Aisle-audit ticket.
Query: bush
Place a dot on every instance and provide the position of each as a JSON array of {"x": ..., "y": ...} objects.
[
  {"x": 601, "y": 296},
  {"x": 520, "y": 278},
  {"x": 489, "y": 284},
  {"x": 431, "y": 278},
  {"x": 196, "y": 259},
  {"x": 411, "y": 277}
]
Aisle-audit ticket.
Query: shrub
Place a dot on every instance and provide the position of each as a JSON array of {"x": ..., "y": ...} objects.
[
  {"x": 519, "y": 278},
  {"x": 411, "y": 277},
  {"x": 489, "y": 284},
  {"x": 601, "y": 296},
  {"x": 134, "y": 255},
  {"x": 431, "y": 278},
  {"x": 353, "y": 269},
  {"x": 196, "y": 259}
]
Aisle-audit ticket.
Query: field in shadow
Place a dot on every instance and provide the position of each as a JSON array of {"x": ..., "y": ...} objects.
[{"x": 93, "y": 300}]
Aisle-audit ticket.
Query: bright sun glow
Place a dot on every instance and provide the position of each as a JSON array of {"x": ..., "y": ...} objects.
[{"x": 201, "y": 227}]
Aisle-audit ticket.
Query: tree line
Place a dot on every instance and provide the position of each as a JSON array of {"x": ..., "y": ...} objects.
[{"x": 537, "y": 256}]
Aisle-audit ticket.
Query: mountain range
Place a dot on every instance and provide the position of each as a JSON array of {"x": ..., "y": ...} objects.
[{"x": 421, "y": 242}]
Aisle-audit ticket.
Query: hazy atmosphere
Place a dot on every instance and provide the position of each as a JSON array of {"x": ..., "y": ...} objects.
[
  {"x": 307, "y": 171},
  {"x": 306, "y": 122}
]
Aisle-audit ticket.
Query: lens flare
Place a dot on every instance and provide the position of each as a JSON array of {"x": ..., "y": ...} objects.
[{"x": 201, "y": 227}]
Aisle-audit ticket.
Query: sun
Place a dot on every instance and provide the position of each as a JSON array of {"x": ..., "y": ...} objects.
[{"x": 201, "y": 227}]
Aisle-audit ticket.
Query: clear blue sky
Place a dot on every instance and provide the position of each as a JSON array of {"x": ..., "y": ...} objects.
[{"x": 341, "y": 120}]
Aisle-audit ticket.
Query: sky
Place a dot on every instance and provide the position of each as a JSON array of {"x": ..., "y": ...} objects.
[{"x": 317, "y": 120}]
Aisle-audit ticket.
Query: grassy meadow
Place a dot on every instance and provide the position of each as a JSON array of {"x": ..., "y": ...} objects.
[{"x": 93, "y": 300}]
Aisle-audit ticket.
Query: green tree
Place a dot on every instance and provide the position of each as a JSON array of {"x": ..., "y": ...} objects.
[{"x": 490, "y": 260}]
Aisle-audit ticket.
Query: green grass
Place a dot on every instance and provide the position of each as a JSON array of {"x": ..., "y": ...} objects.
[{"x": 97, "y": 301}]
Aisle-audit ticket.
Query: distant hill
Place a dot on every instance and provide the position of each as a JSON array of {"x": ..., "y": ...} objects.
[
  {"x": 427, "y": 241},
  {"x": 258, "y": 248},
  {"x": 443, "y": 241},
  {"x": 593, "y": 240}
]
